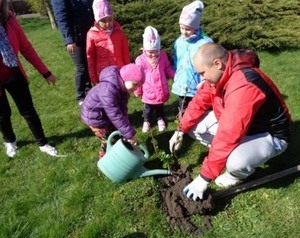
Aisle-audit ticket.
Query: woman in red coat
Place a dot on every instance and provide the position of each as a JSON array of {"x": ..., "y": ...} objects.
[{"x": 14, "y": 80}]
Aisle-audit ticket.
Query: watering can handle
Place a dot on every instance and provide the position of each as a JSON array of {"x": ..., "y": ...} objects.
[
  {"x": 144, "y": 150},
  {"x": 109, "y": 140},
  {"x": 117, "y": 133}
]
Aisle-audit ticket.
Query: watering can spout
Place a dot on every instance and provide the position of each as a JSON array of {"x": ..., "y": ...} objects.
[{"x": 143, "y": 172}]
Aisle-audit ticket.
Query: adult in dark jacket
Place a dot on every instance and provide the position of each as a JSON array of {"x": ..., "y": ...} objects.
[
  {"x": 74, "y": 18},
  {"x": 105, "y": 107},
  {"x": 238, "y": 112}
]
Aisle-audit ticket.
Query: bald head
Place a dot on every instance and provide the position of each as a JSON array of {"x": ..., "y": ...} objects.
[
  {"x": 210, "y": 62},
  {"x": 209, "y": 52}
]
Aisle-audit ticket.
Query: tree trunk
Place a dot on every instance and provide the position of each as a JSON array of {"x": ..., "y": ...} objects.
[{"x": 51, "y": 17}]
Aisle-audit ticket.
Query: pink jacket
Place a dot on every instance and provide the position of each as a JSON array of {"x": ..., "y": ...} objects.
[
  {"x": 105, "y": 50},
  {"x": 20, "y": 43},
  {"x": 155, "y": 89}
]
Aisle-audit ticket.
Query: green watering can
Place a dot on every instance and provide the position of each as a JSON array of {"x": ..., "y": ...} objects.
[{"x": 123, "y": 161}]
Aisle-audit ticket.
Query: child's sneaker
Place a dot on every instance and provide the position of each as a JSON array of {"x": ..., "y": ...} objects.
[
  {"x": 48, "y": 149},
  {"x": 80, "y": 103},
  {"x": 161, "y": 125},
  {"x": 11, "y": 148},
  {"x": 146, "y": 126}
]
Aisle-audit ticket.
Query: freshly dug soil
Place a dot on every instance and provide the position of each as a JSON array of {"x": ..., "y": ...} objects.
[{"x": 178, "y": 207}]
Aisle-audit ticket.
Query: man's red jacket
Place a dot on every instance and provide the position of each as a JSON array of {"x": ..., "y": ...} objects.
[{"x": 245, "y": 102}]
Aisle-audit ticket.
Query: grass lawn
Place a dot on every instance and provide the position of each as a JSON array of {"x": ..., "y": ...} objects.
[{"x": 42, "y": 196}]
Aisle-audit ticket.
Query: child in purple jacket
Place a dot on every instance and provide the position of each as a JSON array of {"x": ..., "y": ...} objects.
[
  {"x": 155, "y": 91},
  {"x": 104, "y": 109}
]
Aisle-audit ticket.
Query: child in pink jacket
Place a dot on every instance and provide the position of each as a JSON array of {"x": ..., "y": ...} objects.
[{"x": 157, "y": 68}]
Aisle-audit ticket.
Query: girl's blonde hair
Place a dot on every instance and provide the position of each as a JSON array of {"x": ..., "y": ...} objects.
[{"x": 4, "y": 11}]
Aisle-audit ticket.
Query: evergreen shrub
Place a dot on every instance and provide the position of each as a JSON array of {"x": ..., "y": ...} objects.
[
  {"x": 161, "y": 14},
  {"x": 256, "y": 24}
]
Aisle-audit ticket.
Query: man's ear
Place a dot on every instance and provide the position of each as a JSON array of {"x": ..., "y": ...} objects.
[{"x": 218, "y": 63}]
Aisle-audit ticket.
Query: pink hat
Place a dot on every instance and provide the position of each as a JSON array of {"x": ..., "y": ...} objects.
[
  {"x": 101, "y": 8},
  {"x": 191, "y": 14},
  {"x": 132, "y": 72}
]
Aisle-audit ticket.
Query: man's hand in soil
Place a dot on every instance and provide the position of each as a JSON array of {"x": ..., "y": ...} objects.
[
  {"x": 176, "y": 141},
  {"x": 196, "y": 189}
]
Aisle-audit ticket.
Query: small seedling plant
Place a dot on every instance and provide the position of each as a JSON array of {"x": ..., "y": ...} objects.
[{"x": 169, "y": 160}]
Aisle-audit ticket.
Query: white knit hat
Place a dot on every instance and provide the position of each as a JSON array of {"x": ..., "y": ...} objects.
[
  {"x": 151, "y": 39},
  {"x": 101, "y": 9},
  {"x": 191, "y": 14}
]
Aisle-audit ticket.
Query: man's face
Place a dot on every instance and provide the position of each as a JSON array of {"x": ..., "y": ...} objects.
[{"x": 212, "y": 73}]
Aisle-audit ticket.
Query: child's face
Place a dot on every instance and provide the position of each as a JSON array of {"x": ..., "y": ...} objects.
[
  {"x": 152, "y": 53},
  {"x": 106, "y": 23},
  {"x": 131, "y": 86},
  {"x": 186, "y": 31}
]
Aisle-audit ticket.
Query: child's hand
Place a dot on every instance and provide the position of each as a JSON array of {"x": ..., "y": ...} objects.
[
  {"x": 137, "y": 94},
  {"x": 51, "y": 79},
  {"x": 71, "y": 48},
  {"x": 132, "y": 140}
]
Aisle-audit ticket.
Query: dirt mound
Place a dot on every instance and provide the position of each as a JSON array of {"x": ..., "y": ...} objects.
[{"x": 179, "y": 209}]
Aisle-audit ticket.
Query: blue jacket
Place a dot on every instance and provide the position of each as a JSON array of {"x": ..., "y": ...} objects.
[
  {"x": 185, "y": 74},
  {"x": 74, "y": 18},
  {"x": 106, "y": 103}
]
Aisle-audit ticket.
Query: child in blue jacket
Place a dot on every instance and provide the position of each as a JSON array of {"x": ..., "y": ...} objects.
[{"x": 187, "y": 80}]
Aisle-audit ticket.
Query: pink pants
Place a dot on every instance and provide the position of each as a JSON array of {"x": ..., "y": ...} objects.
[{"x": 103, "y": 134}]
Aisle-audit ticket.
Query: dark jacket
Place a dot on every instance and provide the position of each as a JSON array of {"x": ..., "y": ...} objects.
[
  {"x": 106, "y": 103},
  {"x": 74, "y": 18}
]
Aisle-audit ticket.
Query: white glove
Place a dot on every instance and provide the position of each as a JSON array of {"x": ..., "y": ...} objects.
[
  {"x": 196, "y": 188},
  {"x": 176, "y": 141}
]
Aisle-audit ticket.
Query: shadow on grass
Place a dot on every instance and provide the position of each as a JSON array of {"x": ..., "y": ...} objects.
[
  {"x": 171, "y": 111},
  {"x": 162, "y": 140},
  {"x": 56, "y": 140},
  {"x": 221, "y": 204},
  {"x": 84, "y": 133},
  {"x": 271, "y": 175},
  {"x": 289, "y": 159},
  {"x": 135, "y": 235}
]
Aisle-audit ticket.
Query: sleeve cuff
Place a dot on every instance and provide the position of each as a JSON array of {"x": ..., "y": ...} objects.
[
  {"x": 46, "y": 75},
  {"x": 205, "y": 178}
]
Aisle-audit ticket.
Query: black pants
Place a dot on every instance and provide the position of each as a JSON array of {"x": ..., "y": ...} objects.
[
  {"x": 150, "y": 108},
  {"x": 18, "y": 88},
  {"x": 82, "y": 79}
]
